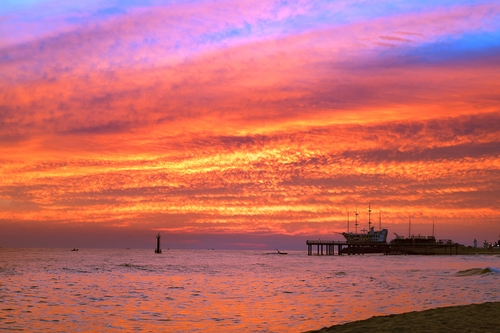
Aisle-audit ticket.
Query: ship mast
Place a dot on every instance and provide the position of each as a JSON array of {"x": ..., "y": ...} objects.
[
  {"x": 379, "y": 220},
  {"x": 369, "y": 218},
  {"x": 356, "y": 223}
]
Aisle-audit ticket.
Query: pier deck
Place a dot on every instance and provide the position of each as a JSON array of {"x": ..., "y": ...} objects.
[{"x": 327, "y": 247}]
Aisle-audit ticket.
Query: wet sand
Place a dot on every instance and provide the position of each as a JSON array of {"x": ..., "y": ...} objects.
[{"x": 483, "y": 317}]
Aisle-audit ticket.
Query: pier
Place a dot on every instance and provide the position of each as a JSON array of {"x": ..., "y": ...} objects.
[{"x": 327, "y": 248}]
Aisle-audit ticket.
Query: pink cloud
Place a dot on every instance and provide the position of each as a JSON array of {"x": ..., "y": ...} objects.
[{"x": 143, "y": 118}]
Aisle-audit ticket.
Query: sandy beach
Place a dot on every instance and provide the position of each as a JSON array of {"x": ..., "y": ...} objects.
[{"x": 483, "y": 317}]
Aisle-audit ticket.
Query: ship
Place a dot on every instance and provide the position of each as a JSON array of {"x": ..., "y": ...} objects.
[
  {"x": 366, "y": 236},
  {"x": 371, "y": 236},
  {"x": 419, "y": 239},
  {"x": 414, "y": 240},
  {"x": 420, "y": 244}
]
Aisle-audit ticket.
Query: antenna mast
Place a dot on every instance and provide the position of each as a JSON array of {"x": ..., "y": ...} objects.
[
  {"x": 409, "y": 226},
  {"x": 348, "y": 222},
  {"x": 379, "y": 220}
]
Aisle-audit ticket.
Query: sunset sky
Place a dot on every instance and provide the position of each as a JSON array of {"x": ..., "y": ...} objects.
[{"x": 246, "y": 124}]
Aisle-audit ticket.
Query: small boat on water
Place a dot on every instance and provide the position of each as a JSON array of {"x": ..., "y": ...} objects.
[
  {"x": 75, "y": 249},
  {"x": 279, "y": 252}
]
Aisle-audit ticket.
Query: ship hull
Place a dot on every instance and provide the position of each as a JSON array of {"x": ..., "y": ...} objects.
[{"x": 365, "y": 250}]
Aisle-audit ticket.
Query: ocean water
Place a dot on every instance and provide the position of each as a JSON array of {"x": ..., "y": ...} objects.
[{"x": 93, "y": 290}]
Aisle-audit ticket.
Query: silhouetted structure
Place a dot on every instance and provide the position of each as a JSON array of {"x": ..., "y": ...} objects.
[
  {"x": 158, "y": 250},
  {"x": 385, "y": 248}
]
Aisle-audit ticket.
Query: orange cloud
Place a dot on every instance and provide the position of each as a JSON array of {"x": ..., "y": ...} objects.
[{"x": 281, "y": 134}]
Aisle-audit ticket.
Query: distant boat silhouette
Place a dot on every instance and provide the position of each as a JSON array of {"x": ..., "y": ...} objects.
[
  {"x": 75, "y": 249},
  {"x": 279, "y": 252}
]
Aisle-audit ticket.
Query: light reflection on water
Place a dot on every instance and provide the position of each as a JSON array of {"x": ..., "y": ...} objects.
[{"x": 249, "y": 291}]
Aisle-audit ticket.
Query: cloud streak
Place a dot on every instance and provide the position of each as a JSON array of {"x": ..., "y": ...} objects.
[{"x": 276, "y": 119}]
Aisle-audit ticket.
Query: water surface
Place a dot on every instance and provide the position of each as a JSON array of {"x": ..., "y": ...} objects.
[{"x": 47, "y": 290}]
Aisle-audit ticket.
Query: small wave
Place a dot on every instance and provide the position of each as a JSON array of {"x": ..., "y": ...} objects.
[
  {"x": 73, "y": 270},
  {"x": 138, "y": 267},
  {"x": 478, "y": 271}
]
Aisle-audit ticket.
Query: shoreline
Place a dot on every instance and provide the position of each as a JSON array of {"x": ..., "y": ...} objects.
[{"x": 482, "y": 317}]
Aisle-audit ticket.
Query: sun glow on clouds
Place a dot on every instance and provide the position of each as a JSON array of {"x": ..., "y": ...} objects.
[{"x": 259, "y": 117}]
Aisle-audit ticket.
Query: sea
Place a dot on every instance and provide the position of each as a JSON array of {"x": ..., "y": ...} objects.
[{"x": 127, "y": 290}]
